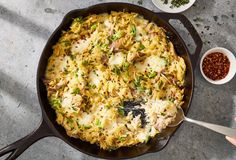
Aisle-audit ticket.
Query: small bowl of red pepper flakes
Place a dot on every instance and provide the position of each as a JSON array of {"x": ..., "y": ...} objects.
[{"x": 218, "y": 65}]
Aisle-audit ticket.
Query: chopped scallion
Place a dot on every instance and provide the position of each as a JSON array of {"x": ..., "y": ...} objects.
[
  {"x": 133, "y": 30},
  {"x": 75, "y": 91}
]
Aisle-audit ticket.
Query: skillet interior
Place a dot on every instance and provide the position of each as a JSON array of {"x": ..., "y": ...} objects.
[{"x": 155, "y": 144}]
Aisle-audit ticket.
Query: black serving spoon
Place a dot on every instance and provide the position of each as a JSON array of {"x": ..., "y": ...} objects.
[{"x": 132, "y": 106}]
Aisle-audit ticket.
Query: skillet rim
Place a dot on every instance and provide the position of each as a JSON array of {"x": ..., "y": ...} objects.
[{"x": 39, "y": 77}]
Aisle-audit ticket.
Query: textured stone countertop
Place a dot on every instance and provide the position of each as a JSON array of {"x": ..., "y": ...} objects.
[{"x": 25, "y": 26}]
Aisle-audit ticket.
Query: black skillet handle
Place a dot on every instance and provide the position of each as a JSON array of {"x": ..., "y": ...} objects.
[
  {"x": 187, "y": 24},
  {"x": 18, "y": 147}
]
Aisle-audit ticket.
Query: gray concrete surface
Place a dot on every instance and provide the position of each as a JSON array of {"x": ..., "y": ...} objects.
[{"x": 25, "y": 26}]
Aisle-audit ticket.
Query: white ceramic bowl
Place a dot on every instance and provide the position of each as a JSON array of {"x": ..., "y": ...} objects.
[
  {"x": 232, "y": 68},
  {"x": 166, "y": 7}
]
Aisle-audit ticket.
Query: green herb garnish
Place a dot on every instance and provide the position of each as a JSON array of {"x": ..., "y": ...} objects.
[
  {"x": 171, "y": 99},
  {"x": 85, "y": 63},
  {"x": 152, "y": 74},
  {"x": 178, "y": 3},
  {"x": 141, "y": 47},
  {"x": 65, "y": 71},
  {"x": 77, "y": 122},
  {"x": 98, "y": 123},
  {"x": 149, "y": 91},
  {"x": 137, "y": 81},
  {"x": 147, "y": 139},
  {"x": 104, "y": 47},
  {"x": 116, "y": 70},
  {"x": 137, "y": 84},
  {"x": 141, "y": 88},
  {"x": 55, "y": 103},
  {"x": 75, "y": 91},
  {"x": 69, "y": 120},
  {"x": 66, "y": 43},
  {"x": 107, "y": 106},
  {"x": 116, "y": 36},
  {"x": 126, "y": 66},
  {"x": 163, "y": 114},
  {"x": 133, "y": 30},
  {"x": 160, "y": 84},
  {"x": 78, "y": 19},
  {"x": 122, "y": 138},
  {"x": 121, "y": 111},
  {"x": 87, "y": 126},
  {"x": 94, "y": 26},
  {"x": 92, "y": 86},
  {"x": 72, "y": 57}
]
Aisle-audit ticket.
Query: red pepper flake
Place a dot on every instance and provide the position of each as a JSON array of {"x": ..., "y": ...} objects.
[{"x": 216, "y": 66}]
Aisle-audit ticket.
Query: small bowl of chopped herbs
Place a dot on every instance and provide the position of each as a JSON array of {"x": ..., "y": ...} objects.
[{"x": 173, "y": 6}]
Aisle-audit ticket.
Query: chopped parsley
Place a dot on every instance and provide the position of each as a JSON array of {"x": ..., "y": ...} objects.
[
  {"x": 72, "y": 57},
  {"x": 65, "y": 71},
  {"x": 141, "y": 88},
  {"x": 126, "y": 66},
  {"x": 122, "y": 138},
  {"x": 152, "y": 74},
  {"x": 116, "y": 70},
  {"x": 92, "y": 86},
  {"x": 107, "y": 106},
  {"x": 94, "y": 26},
  {"x": 147, "y": 139},
  {"x": 104, "y": 47},
  {"x": 133, "y": 30},
  {"x": 137, "y": 84},
  {"x": 78, "y": 19},
  {"x": 149, "y": 91},
  {"x": 178, "y": 3},
  {"x": 98, "y": 123},
  {"x": 141, "y": 47},
  {"x": 121, "y": 111},
  {"x": 87, "y": 126},
  {"x": 66, "y": 43},
  {"x": 55, "y": 103},
  {"x": 77, "y": 122},
  {"x": 163, "y": 114},
  {"x": 69, "y": 120},
  {"x": 85, "y": 63},
  {"x": 75, "y": 109},
  {"x": 172, "y": 99},
  {"x": 160, "y": 84},
  {"x": 116, "y": 36},
  {"x": 75, "y": 91}
]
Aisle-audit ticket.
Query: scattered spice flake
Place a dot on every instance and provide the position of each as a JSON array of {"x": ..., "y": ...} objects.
[
  {"x": 215, "y": 18},
  {"x": 198, "y": 19},
  {"x": 207, "y": 27},
  {"x": 140, "y": 2}
]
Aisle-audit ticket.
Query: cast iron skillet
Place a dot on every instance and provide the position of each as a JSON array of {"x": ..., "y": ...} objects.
[{"x": 49, "y": 127}]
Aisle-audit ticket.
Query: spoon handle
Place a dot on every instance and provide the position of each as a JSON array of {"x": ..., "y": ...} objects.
[{"x": 231, "y": 132}]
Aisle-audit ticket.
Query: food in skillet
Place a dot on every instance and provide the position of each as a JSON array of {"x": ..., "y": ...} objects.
[{"x": 105, "y": 60}]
